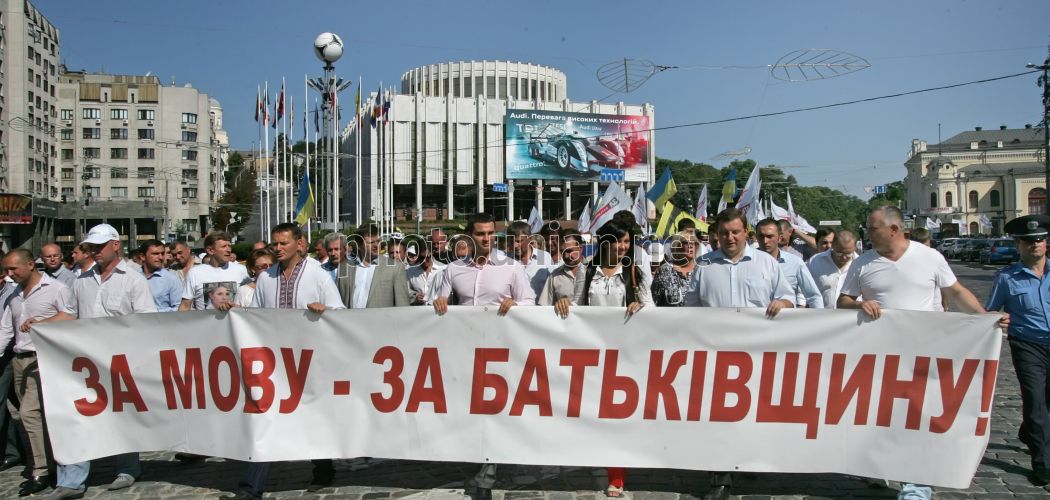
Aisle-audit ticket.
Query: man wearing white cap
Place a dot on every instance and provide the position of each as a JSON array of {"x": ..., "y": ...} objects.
[{"x": 108, "y": 289}]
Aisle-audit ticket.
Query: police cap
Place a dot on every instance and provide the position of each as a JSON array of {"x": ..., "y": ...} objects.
[{"x": 1029, "y": 227}]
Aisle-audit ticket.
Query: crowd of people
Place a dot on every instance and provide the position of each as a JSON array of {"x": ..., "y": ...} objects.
[{"x": 763, "y": 264}]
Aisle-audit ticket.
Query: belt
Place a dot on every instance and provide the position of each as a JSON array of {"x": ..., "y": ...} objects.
[{"x": 27, "y": 354}]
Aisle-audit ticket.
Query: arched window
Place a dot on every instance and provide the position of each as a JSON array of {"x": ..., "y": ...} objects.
[
  {"x": 948, "y": 199},
  {"x": 933, "y": 200},
  {"x": 1037, "y": 201},
  {"x": 972, "y": 200},
  {"x": 974, "y": 230},
  {"x": 993, "y": 197}
]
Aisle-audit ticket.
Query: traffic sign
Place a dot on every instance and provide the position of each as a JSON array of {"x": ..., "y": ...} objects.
[
  {"x": 880, "y": 189},
  {"x": 499, "y": 187},
  {"x": 610, "y": 175}
]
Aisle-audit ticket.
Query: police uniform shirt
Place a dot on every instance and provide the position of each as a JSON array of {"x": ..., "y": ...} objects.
[{"x": 1026, "y": 297}]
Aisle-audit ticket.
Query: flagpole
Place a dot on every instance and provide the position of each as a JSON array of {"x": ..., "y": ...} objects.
[
  {"x": 306, "y": 139},
  {"x": 286, "y": 149},
  {"x": 357, "y": 152},
  {"x": 266, "y": 142}
]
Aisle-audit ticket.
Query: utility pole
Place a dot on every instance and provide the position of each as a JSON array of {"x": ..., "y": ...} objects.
[{"x": 1044, "y": 82}]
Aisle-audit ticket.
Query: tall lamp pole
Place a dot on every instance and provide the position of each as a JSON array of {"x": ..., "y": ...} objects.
[
  {"x": 1044, "y": 82},
  {"x": 328, "y": 47}
]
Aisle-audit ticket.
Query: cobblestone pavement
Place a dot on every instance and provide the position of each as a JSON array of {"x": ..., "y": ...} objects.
[{"x": 1002, "y": 474}]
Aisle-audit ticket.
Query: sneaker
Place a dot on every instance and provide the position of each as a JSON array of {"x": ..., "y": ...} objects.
[
  {"x": 122, "y": 481},
  {"x": 64, "y": 493}
]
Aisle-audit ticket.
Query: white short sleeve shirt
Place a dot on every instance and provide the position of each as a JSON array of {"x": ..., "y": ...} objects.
[{"x": 909, "y": 283}]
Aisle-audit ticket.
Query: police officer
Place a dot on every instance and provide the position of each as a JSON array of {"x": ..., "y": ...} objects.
[{"x": 1023, "y": 291}]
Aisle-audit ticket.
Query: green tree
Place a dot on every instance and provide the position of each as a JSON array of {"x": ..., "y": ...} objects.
[{"x": 240, "y": 195}]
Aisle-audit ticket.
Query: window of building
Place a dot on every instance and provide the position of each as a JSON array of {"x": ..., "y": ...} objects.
[
  {"x": 31, "y": 53},
  {"x": 67, "y": 192},
  {"x": 146, "y": 114},
  {"x": 490, "y": 87},
  {"x": 189, "y": 118},
  {"x": 948, "y": 199},
  {"x": 67, "y": 174},
  {"x": 971, "y": 199},
  {"x": 189, "y": 224},
  {"x": 146, "y": 154},
  {"x": 92, "y": 172},
  {"x": 189, "y": 174},
  {"x": 189, "y": 154},
  {"x": 189, "y": 192},
  {"x": 92, "y": 113},
  {"x": 92, "y": 192},
  {"x": 92, "y": 152},
  {"x": 993, "y": 197},
  {"x": 118, "y": 153},
  {"x": 188, "y": 136},
  {"x": 92, "y": 133},
  {"x": 1037, "y": 201},
  {"x": 146, "y": 133},
  {"x": 118, "y": 192},
  {"x": 67, "y": 114},
  {"x": 933, "y": 200},
  {"x": 66, "y": 134},
  {"x": 118, "y": 133},
  {"x": 468, "y": 87},
  {"x": 146, "y": 192},
  {"x": 67, "y": 154},
  {"x": 118, "y": 114},
  {"x": 974, "y": 229},
  {"x": 145, "y": 172},
  {"x": 502, "y": 87}
]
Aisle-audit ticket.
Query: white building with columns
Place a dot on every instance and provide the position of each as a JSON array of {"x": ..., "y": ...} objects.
[
  {"x": 998, "y": 174},
  {"x": 442, "y": 148}
]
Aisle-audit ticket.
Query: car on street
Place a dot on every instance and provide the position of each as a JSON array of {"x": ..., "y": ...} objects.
[
  {"x": 972, "y": 250},
  {"x": 999, "y": 251},
  {"x": 953, "y": 251},
  {"x": 945, "y": 245}
]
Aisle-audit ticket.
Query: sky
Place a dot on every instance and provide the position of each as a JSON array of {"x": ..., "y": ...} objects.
[{"x": 722, "y": 49}]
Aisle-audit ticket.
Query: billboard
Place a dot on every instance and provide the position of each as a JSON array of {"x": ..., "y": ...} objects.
[
  {"x": 559, "y": 145},
  {"x": 16, "y": 209}
]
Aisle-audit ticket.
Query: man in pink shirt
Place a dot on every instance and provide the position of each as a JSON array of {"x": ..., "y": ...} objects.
[{"x": 488, "y": 277}]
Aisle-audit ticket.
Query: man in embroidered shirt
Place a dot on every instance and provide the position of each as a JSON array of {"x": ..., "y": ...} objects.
[
  {"x": 489, "y": 277},
  {"x": 38, "y": 296},
  {"x": 806, "y": 292},
  {"x": 109, "y": 289},
  {"x": 165, "y": 286},
  {"x": 295, "y": 282}
]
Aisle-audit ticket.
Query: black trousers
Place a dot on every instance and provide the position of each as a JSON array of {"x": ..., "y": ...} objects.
[{"x": 1032, "y": 364}]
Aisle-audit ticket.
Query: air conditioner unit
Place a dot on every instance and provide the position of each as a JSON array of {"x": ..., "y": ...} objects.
[
  {"x": 149, "y": 124},
  {"x": 69, "y": 122},
  {"x": 98, "y": 121},
  {"x": 184, "y": 126},
  {"x": 125, "y": 123}
]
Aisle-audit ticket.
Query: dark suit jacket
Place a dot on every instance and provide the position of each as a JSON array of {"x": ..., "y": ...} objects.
[{"x": 389, "y": 286}]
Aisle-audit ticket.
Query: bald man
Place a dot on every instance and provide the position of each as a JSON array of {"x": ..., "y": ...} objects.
[{"x": 51, "y": 254}]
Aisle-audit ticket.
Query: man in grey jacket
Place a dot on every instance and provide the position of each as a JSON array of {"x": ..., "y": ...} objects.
[{"x": 370, "y": 279}]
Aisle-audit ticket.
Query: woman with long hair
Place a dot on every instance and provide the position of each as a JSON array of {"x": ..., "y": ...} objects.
[{"x": 610, "y": 279}]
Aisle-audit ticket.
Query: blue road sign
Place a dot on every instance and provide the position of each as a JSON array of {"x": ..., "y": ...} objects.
[
  {"x": 499, "y": 187},
  {"x": 610, "y": 175},
  {"x": 880, "y": 189}
]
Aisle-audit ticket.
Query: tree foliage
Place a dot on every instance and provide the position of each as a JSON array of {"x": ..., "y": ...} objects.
[{"x": 240, "y": 196}]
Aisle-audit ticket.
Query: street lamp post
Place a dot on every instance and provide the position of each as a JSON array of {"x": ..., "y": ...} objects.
[
  {"x": 328, "y": 47},
  {"x": 1044, "y": 82}
]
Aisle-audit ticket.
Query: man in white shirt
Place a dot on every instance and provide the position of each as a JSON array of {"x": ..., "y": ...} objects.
[
  {"x": 829, "y": 267},
  {"x": 38, "y": 296},
  {"x": 335, "y": 248},
  {"x": 537, "y": 262},
  {"x": 82, "y": 260},
  {"x": 51, "y": 254},
  {"x": 424, "y": 273},
  {"x": 295, "y": 282},
  {"x": 737, "y": 275},
  {"x": 901, "y": 274},
  {"x": 108, "y": 289},
  {"x": 203, "y": 282},
  {"x": 767, "y": 231}
]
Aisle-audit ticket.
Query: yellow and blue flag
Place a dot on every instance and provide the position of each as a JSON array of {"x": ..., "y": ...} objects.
[
  {"x": 304, "y": 205},
  {"x": 663, "y": 190}
]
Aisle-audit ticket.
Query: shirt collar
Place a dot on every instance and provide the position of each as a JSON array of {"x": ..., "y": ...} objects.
[{"x": 749, "y": 254}]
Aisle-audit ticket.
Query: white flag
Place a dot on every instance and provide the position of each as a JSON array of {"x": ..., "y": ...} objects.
[
  {"x": 984, "y": 221},
  {"x": 701, "y": 205},
  {"x": 748, "y": 200},
  {"x": 797, "y": 221},
  {"x": 641, "y": 209},
  {"x": 722, "y": 205},
  {"x": 584, "y": 223},
  {"x": 777, "y": 212},
  {"x": 535, "y": 220},
  {"x": 614, "y": 200},
  {"x": 933, "y": 224}
]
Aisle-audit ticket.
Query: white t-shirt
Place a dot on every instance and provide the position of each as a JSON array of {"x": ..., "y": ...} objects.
[
  {"x": 203, "y": 282},
  {"x": 909, "y": 283}
]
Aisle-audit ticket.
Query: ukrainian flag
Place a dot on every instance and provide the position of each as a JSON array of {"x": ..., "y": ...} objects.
[
  {"x": 671, "y": 216},
  {"x": 729, "y": 188},
  {"x": 304, "y": 205},
  {"x": 663, "y": 190}
]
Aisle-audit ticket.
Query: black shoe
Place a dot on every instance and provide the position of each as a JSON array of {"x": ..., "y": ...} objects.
[
  {"x": 7, "y": 464},
  {"x": 479, "y": 493},
  {"x": 1040, "y": 477},
  {"x": 717, "y": 493},
  {"x": 189, "y": 457},
  {"x": 320, "y": 481},
  {"x": 35, "y": 484}
]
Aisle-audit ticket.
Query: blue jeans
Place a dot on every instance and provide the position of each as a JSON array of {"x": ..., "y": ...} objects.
[{"x": 75, "y": 475}]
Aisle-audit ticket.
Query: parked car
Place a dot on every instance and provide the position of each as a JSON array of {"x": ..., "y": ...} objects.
[
  {"x": 953, "y": 251},
  {"x": 999, "y": 251},
  {"x": 972, "y": 251},
  {"x": 944, "y": 245}
]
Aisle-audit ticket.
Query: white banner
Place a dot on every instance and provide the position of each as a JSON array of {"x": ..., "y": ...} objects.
[{"x": 906, "y": 397}]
